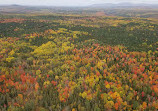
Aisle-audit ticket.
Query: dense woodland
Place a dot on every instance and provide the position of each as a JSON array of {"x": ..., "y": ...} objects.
[{"x": 64, "y": 62}]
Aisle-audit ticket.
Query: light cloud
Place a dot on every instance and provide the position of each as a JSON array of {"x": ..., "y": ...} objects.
[{"x": 70, "y": 2}]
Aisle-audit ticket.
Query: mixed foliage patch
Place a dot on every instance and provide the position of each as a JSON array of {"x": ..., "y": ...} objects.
[{"x": 79, "y": 63}]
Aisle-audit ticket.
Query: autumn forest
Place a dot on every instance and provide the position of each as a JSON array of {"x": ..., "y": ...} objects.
[{"x": 79, "y": 60}]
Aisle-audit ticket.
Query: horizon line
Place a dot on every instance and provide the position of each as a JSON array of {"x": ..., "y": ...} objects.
[{"x": 81, "y": 5}]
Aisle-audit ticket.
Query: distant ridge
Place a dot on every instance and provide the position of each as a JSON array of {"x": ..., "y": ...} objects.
[
  {"x": 15, "y": 5},
  {"x": 124, "y": 5},
  {"x": 12, "y": 5},
  {"x": 103, "y": 5}
]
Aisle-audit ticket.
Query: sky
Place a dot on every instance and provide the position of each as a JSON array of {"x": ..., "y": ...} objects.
[{"x": 70, "y": 2}]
